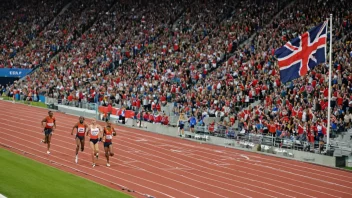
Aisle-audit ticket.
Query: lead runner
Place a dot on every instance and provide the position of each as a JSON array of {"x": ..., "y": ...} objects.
[{"x": 50, "y": 124}]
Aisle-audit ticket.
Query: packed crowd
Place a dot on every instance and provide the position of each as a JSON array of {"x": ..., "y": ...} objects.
[
  {"x": 210, "y": 58},
  {"x": 298, "y": 110},
  {"x": 21, "y": 23}
]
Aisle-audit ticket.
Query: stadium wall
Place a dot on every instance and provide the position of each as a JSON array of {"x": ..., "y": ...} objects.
[
  {"x": 314, "y": 158},
  {"x": 8, "y": 80}
]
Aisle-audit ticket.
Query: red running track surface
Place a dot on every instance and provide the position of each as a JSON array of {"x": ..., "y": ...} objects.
[{"x": 162, "y": 166}]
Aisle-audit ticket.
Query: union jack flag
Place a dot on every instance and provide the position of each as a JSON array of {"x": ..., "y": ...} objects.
[{"x": 302, "y": 53}]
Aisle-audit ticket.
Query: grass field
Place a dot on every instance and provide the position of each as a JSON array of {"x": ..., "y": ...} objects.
[
  {"x": 348, "y": 168},
  {"x": 36, "y": 104},
  {"x": 23, "y": 177}
]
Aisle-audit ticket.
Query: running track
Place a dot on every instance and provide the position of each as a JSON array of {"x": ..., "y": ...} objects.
[{"x": 162, "y": 166}]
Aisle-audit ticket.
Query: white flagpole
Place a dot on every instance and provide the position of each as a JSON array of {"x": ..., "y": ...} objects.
[{"x": 329, "y": 97}]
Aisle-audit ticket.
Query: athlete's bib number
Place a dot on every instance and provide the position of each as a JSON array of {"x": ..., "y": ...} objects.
[
  {"x": 50, "y": 124},
  {"x": 80, "y": 130},
  {"x": 109, "y": 137},
  {"x": 95, "y": 133}
]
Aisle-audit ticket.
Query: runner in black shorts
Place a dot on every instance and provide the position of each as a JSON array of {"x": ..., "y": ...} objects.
[
  {"x": 109, "y": 131},
  {"x": 95, "y": 133},
  {"x": 81, "y": 130}
]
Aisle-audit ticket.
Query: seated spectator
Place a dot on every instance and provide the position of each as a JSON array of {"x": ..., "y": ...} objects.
[
  {"x": 146, "y": 116},
  {"x": 157, "y": 117}
]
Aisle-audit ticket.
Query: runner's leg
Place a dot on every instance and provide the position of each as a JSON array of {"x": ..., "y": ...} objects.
[
  {"x": 96, "y": 150},
  {"x": 77, "y": 148},
  {"x": 48, "y": 142},
  {"x": 111, "y": 152},
  {"x": 77, "y": 145},
  {"x": 106, "y": 149},
  {"x": 82, "y": 144},
  {"x": 91, "y": 144},
  {"x": 44, "y": 139}
]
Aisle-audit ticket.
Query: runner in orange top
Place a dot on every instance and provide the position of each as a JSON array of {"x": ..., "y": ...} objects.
[
  {"x": 50, "y": 124},
  {"x": 81, "y": 131},
  {"x": 95, "y": 132},
  {"x": 109, "y": 131}
]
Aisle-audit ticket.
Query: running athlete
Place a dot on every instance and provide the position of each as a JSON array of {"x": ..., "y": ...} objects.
[
  {"x": 94, "y": 131},
  {"x": 109, "y": 131},
  {"x": 50, "y": 124},
  {"x": 81, "y": 130}
]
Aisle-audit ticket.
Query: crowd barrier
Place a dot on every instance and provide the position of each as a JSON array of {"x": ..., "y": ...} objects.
[
  {"x": 87, "y": 105},
  {"x": 89, "y": 113},
  {"x": 104, "y": 111},
  {"x": 39, "y": 98},
  {"x": 49, "y": 101},
  {"x": 223, "y": 136},
  {"x": 251, "y": 144}
]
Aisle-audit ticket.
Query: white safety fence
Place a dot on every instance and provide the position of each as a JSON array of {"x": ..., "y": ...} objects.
[{"x": 87, "y": 110}]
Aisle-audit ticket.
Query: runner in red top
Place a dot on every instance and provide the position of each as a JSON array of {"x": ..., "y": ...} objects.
[
  {"x": 81, "y": 130},
  {"x": 109, "y": 131},
  {"x": 50, "y": 124}
]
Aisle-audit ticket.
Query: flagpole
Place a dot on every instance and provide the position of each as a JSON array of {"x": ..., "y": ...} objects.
[{"x": 329, "y": 97}]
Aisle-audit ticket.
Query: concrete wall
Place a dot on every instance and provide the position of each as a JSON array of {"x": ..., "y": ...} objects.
[
  {"x": 173, "y": 131},
  {"x": 77, "y": 111}
]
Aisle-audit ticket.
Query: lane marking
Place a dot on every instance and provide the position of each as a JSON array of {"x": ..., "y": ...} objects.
[
  {"x": 141, "y": 140},
  {"x": 245, "y": 156},
  {"x": 2, "y": 196},
  {"x": 176, "y": 151},
  {"x": 177, "y": 168}
]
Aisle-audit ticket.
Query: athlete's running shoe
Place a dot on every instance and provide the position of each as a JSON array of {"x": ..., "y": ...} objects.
[{"x": 108, "y": 165}]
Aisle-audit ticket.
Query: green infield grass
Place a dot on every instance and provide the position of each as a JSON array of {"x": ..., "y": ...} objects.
[
  {"x": 23, "y": 177},
  {"x": 35, "y": 104},
  {"x": 348, "y": 168}
]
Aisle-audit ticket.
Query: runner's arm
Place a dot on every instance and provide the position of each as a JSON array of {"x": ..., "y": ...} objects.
[
  {"x": 55, "y": 123},
  {"x": 88, "y": 131},
  {"x": 74, "y": 127},
  {"x": 101, "y": 133},
  {"x": 44, "y": 120},
  {"x": 104, "y": 135},
  {"x": 113, "y": 131}
]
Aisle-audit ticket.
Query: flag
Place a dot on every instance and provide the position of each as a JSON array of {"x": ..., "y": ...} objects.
[{"x": 303, "y": 53}]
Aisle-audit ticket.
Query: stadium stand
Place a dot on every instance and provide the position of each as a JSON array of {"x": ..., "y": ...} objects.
[
  {"x": 306, "y": 98},
  {"x": 23, "y": 22},
  {"x": 213, "y": 60}
]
